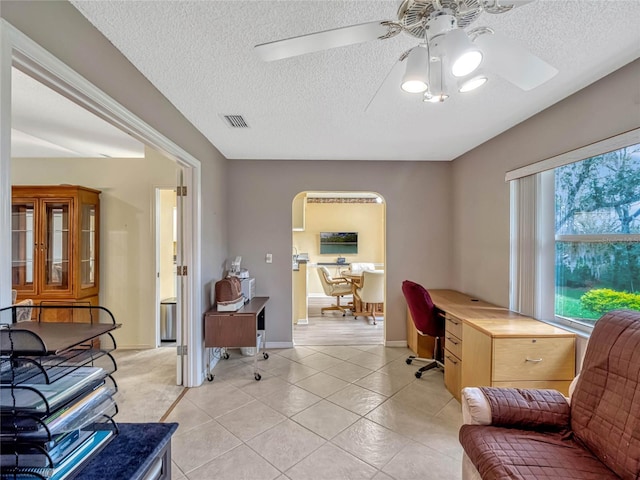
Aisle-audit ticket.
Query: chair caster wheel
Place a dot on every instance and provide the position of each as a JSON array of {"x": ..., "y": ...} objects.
[
  {"x": 265, "y": 355},
  {"x": 418, "y": 374},
  {"x": 257, "y": 377},
  {"x": 210, "y": 377},
  {"x": 344, "y": 314},
  {"x": 225, "y": 356},
  {"x": 409, "y": 360}
]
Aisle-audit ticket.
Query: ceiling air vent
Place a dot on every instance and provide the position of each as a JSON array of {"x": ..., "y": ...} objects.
[{"x": 236, "y": 121}]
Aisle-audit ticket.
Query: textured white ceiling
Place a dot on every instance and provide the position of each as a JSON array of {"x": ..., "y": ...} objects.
[
  {"x": 199, "y": 54},
  {"x": 46, "y": 124}
]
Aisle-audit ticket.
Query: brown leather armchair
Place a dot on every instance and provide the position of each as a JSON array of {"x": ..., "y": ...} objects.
[{"x": 514, "y": 433}]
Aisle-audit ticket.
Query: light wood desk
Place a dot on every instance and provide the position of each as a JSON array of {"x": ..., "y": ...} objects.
[{"x": 488, "y": 345}]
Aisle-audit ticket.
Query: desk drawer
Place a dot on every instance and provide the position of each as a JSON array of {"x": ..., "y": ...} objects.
[
  {"x": 230, "y": 330},
  {"x": 452, "y": 374},
  {"x": 453, "y": 344},
  {"x": 453, "y": 325},
  {"x": 533, "y": 358}
]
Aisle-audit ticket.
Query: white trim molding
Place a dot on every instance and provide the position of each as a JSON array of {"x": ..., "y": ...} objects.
[
  {"x": 5, "y": 168},
  {"x": 598, "y": 148}
]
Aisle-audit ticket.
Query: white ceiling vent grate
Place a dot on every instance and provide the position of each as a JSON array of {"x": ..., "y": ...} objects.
[{"x": 236, "y": 121}]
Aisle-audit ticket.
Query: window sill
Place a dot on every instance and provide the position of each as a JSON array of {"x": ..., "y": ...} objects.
[{"x": 573, "y": 327}]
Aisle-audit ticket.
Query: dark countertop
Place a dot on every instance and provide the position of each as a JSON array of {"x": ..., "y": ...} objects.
[{"x": 130, "y": 453}]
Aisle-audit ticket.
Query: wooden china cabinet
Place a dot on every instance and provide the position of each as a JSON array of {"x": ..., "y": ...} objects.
[{"x": 55, "y": 248}]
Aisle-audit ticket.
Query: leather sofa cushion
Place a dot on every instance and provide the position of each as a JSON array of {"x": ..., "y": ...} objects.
[{"x": 508, "y": 453}]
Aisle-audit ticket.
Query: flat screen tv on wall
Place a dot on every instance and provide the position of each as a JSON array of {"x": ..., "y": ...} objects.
[{"x": 341, "y": 243}]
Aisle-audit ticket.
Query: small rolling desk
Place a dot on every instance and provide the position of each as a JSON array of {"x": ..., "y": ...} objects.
[
  {"x": 236, "y": 329},
  {"x": 488, "y": 345}
]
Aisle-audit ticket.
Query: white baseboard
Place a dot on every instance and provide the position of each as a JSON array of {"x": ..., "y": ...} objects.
[
  {"x": 145, "y": 346},
  {"x": 302, "y": 321},
  {"x": 279, "y": 345},
  {"x": 395, "y": 343}
]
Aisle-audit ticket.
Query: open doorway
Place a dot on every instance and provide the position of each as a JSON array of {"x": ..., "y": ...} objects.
[
  {"x": 41, "y": 66},
  {"x": 166, "y": 221},
  {"x": 337, "y": 235}
]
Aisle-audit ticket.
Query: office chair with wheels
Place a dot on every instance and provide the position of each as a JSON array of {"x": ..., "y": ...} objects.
[
  {"x": 427, "y": 320},
  {"x": 334, "y": 287}
]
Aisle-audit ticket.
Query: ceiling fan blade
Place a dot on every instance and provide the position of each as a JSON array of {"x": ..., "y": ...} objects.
[
  {"x": 314, "y": 42},
  {"x": 514, "y": 63},
  {"x": 515, "y": 3},
  {"x": 503, "y": 6}
]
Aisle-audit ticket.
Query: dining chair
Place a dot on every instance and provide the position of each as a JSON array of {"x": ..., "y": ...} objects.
[
  {"x": 334, "y": 287},
  {"x": 371, "y": 291}
]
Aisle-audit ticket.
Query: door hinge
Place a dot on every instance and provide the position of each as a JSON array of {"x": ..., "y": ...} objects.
[
  {"x": 181, "y": 349},
  {"x": 181, "y": 191},
  {"x": 181, "y": 271}
]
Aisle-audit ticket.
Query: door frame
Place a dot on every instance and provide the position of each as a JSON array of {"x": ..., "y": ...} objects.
[
  {"x": 384, "y": 253},
  {"x": 16, "y": 49}
]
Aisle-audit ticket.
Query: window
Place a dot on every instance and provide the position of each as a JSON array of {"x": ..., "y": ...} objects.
[
  {"x": 597, "y": 235},
  {"x": 575, "y": 231}
]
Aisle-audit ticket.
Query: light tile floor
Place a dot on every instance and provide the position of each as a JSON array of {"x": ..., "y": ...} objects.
[{"x": 330, "y": 413}]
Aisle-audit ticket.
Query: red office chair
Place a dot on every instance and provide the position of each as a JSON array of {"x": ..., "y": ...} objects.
[{"x": 427, "y": 319}]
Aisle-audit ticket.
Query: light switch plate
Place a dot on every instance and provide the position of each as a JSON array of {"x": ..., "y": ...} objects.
[{"x": 269, "y": 258}]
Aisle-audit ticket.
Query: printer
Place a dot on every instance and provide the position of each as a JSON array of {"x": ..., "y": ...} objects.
[{"x": 248, "y": 288}]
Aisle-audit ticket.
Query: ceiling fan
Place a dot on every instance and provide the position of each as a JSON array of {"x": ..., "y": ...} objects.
[{"x": 447, "y": 54}]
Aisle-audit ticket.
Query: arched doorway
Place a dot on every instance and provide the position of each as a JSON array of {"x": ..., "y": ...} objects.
[{"x": 362, "y": 216}]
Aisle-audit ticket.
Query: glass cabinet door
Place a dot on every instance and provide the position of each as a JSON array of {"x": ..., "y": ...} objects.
[
  {"x": 57, "y": 247},
  {"x": 23, "y": 248},
  {"x": 88, "y": 219}
]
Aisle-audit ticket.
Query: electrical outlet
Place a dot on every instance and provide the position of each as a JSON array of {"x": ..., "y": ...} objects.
[{"x": 269, "y": 258}]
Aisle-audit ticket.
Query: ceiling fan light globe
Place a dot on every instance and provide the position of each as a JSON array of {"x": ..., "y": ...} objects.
[
  {"x": 466, "y": 63},
  {"x": 472, "y": 83},
  {"x": 414, "y": 86},
  {"x": 416, "y": 75}
]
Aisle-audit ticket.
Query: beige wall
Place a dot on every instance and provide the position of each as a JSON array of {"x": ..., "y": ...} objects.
[
  {"x": 481, "y": 197},
  {"x": 365, "y": 218},
  {"x": 418, "y": 215},
  {"x": 167, "y": 272},
  {"x": 127, "y": 234}
]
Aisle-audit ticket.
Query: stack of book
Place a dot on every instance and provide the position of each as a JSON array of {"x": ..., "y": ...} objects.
[{"x": 50, "y": 428}]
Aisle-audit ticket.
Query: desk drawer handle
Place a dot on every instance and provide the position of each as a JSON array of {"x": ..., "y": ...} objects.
[
  {"x": 453, "y": 321},
  {"x": 451, "y": 360},
  {"x": 533, "y": 360},
  {"x": 449, "y": 339}
]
